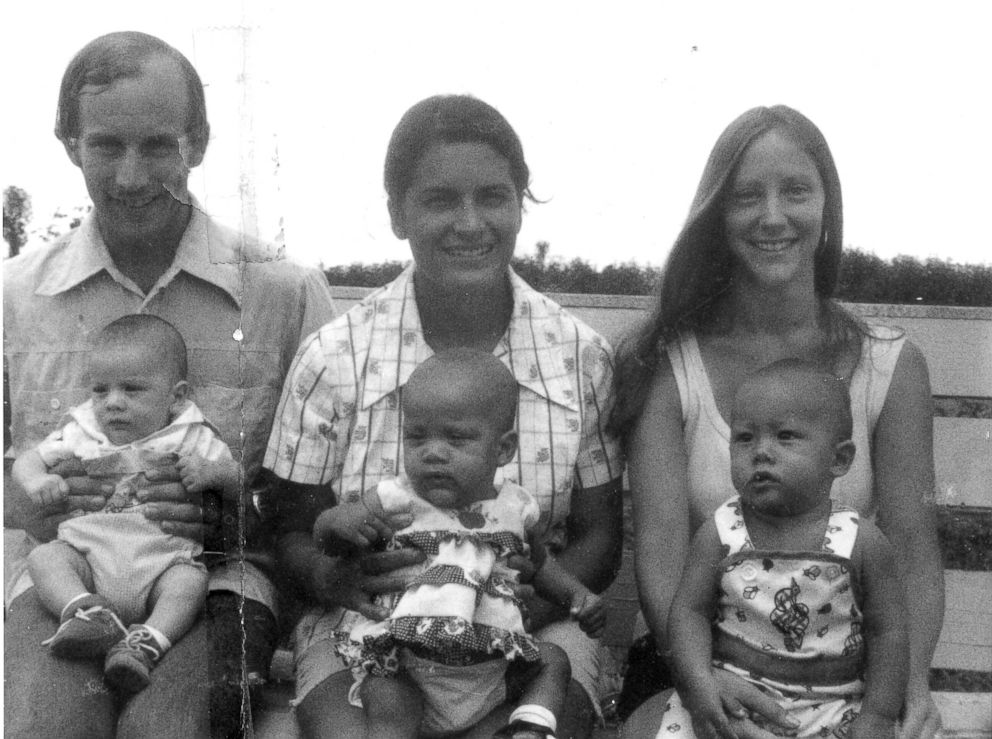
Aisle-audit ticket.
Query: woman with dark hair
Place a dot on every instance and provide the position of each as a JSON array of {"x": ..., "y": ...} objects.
[
  {"x": 750, "y": 281},
  {"x": 456, "y": 179}
]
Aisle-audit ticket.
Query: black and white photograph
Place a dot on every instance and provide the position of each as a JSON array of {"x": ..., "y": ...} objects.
[{"x": 529, "y": 370}]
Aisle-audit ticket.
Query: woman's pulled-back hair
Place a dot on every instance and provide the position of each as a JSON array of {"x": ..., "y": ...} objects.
[
  {"x": 451, "y": 119},
  {"x": 700, "y": 266}
]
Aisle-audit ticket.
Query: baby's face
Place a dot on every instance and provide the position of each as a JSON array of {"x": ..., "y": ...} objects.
[
  {"x": 133, "y": 392},
  {"x": 782, "y": 452},
  {"x": 450, "y": 449}
]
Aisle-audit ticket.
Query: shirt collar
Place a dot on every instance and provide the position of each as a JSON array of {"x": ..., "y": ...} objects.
[
  {"x": 207, "y": 251},
  {"x": 540, "y": 346},
  {"x": 529, "y": 347},
  {"x": 85, "y": 415}
]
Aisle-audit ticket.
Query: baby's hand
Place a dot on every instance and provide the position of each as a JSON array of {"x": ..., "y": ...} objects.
[
  {"x": 353, "y": 523},
  {"x": 199, "y": 474},
  {"x": 46, "y": 490},
  {"x": 590, "y": 611}
]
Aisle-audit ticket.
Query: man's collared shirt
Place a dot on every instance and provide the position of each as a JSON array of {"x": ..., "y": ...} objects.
[
  {"x": 339, "y": 418},
  {"x": 241, "y": 307}
]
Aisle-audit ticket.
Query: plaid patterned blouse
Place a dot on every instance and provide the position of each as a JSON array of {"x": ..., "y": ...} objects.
[{"x": 339, "y": 419}]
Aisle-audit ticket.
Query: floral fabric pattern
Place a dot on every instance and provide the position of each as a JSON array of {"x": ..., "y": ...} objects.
[{"x": 458, "y": 607}]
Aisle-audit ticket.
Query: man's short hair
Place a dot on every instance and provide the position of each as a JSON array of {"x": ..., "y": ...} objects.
[
  {"x": 149, "y": 333},
  {"x": 122, "y": 55}
]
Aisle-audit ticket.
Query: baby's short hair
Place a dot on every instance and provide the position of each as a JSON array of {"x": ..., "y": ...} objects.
[
  {"x": 826, "y": 393},
  {"x": 149, "y": 333},
  {"x": 491, "y": 385}
]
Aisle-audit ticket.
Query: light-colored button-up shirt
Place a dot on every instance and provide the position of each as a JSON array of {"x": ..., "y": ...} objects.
[
  {"x": 340, "y": 419},
  {"x": 241, "y": 307}
]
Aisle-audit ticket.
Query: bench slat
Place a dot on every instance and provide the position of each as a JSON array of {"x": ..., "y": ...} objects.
[
  {"x": 963, "y": 461},
  {"x": 966, "y": 640}
]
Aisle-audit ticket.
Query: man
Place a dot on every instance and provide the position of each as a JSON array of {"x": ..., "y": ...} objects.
[{"x": 132, "y": 117}]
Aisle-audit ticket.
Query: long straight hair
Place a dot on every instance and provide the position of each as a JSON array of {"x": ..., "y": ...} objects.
[{"x": 699, "y": 269}]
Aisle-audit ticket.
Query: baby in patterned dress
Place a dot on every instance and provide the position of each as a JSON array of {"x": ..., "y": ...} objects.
[
  {"x": 111, "y": 568},
  {"x": 455, "y": 645},
  {"x": 782, "y": 587}
]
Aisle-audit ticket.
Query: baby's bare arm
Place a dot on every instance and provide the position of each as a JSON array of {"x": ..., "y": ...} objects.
[
  {"x": 41, "y": 486},
  {"x": 689, "y": 629},
  {"x": 885, "y": 630}
]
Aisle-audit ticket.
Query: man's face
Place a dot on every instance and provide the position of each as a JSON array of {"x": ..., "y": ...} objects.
[{"x": 133, "y": 151}]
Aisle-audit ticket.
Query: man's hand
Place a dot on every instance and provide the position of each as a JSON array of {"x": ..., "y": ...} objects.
[
  {"x": 176, "y": 510},
  {"x": 84, "y": 495},
  {"x": 590, "y": 611}
]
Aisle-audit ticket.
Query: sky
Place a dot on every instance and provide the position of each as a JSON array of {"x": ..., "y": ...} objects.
[{"x": 617, "y": 106}]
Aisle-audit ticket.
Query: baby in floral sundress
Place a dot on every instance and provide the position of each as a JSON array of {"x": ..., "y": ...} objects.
[
  {"x": 439, "y": 663},
  {"x": 806, "y": 595}
]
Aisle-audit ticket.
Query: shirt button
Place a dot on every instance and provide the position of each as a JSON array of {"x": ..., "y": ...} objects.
[
  {"x": 55, "y": 403},
  {"x": 748, "y": 572}
]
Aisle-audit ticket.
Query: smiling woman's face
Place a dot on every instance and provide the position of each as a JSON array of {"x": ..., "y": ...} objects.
[
  {"x": 773, "y": 212},
  {"x": 461, "y": 215}
]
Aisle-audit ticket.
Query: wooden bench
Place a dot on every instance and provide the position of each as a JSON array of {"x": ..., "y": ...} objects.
[{"x": 957, "y": 343}]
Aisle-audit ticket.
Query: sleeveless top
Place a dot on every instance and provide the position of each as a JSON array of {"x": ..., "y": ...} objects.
[
  {"x": 707, "y": 434},
  {"x": 458, "y": 606},
  {"x": 792, "y": 606}
]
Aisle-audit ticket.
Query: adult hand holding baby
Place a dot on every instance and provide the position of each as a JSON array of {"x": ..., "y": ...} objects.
[
  {"x": 177, "y": 511},
  {"x": 84, "y": 494},
  {"x": 354, "y": 582}
]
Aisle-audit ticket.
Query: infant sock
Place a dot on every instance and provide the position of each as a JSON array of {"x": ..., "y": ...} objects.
[{"x": 530, "y": 720}]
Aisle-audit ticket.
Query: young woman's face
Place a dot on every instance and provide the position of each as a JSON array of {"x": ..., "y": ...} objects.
[
  {"x": 461, "y": 215},
  {"x": 773, "y": 212}
]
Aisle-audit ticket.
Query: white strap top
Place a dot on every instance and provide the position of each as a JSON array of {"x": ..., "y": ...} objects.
[{"x": 707, "y": 435}]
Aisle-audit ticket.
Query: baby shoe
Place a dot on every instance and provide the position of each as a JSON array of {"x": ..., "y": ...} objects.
[
  {"x": 129, "y": 662},
  {"x": 88, "y": 629}
]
